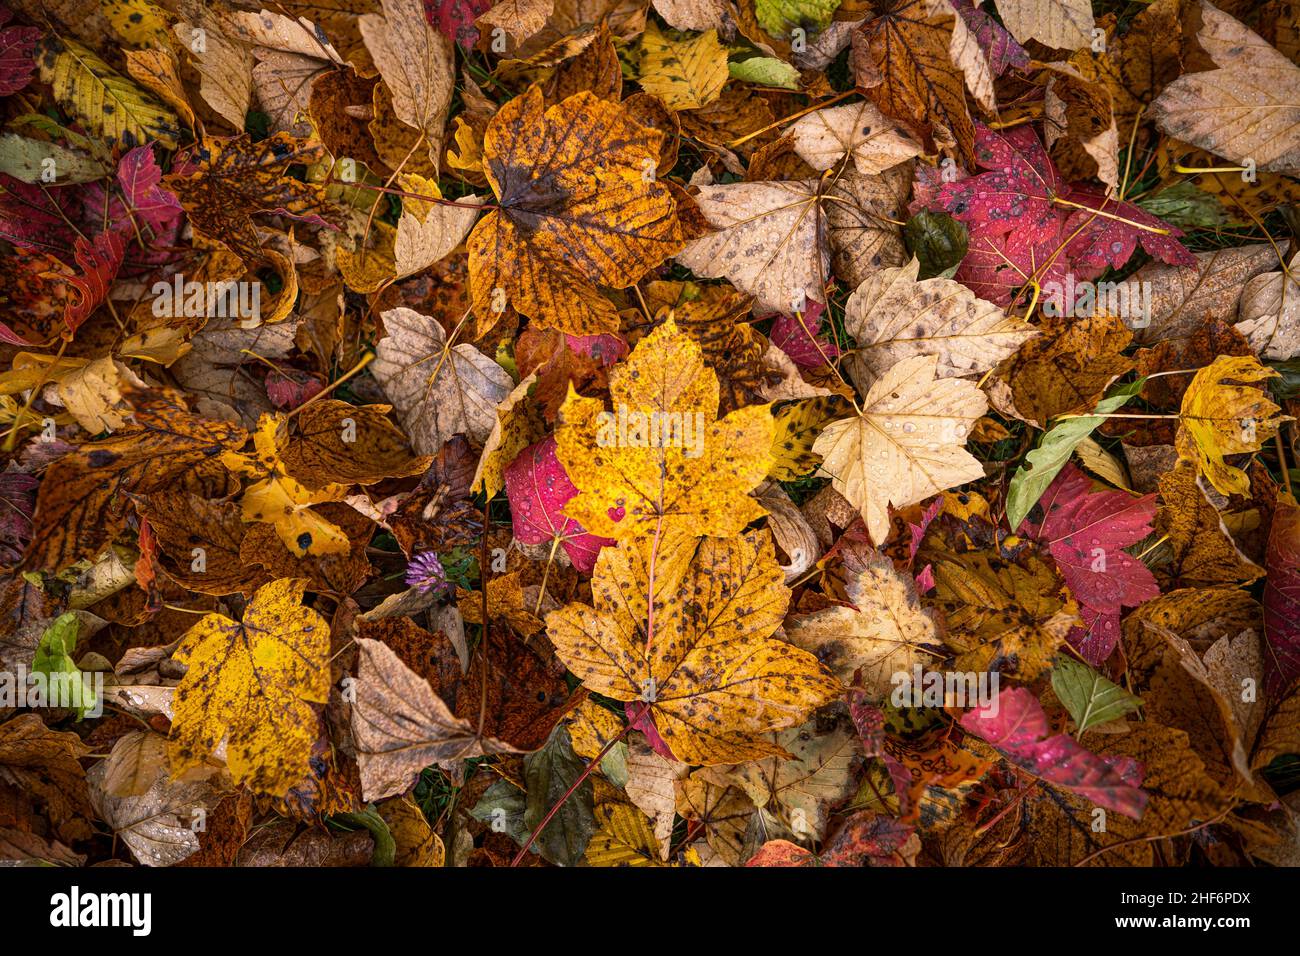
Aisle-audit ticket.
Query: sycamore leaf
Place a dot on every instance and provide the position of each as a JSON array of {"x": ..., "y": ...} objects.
[
  {"x": 798, "y": 789},
  {"x": 158, "y": 824},
  {"x": 710, "y": 674},
  {"x": 662, "y": 457},
  {"x": 901, "y": 62},
  {"x": 824, "y": 138},
  {"x": 45, "y": 764},
  {"x": 1219, "y": 418},
  {"x": 76, "y": 513},
  {"x": 797, "y": 428},
  {"x": 892, "y": 316},
  {"x": 597, "y": 217},
  {"x": 1202, "y": 550},
  {"x": 1066, "y": 368},
  {"x": 255, "y": 684},
  {"x": 686, "y": 73},
  {"x": 332, "y": 441},
  {"x": 1062, "y": 24},
  {"x": 1090, "y": 698},
  {"x": 417, "y": 64},
  {"x": 767, "y": 242},
  {"x": 223, "y": 61},
  {"x": 428, "y": 232},
  {"x": 401, "y": 726},
  {"x": 1243, "y": 110},
  {"x": 438, "y": 390},
  {"x": 102, "y": 99},
  {"x": 236, "y": 177},
  {"x": 1182, "y": 300},
  {"x": 1014, "y": 723},
  {"x": 624, "y": 838},
  {"x": 1003, "y": 617},
  {"x": 1268, "y": 314},
  {"x": 885, "y": 632},
  {"x": 281, "y": 500},
  {"x": 906, "y": 444}
]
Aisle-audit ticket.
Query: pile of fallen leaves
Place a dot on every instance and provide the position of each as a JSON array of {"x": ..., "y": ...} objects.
[{"x": 673, "y": 433}]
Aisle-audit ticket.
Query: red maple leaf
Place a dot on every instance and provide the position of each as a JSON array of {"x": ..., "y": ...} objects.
[
  {"x": 1027, "y": 224},
  {"x": 1086, "y": 532}
]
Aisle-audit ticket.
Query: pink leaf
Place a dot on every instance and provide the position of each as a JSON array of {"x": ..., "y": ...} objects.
[
  {"x": 140, "y": 177},
  {"x": 17, "y": 58},
  {"x": 289, "y": 388},
  {"x": 642, "y": 718},
  {"x": 1282, "y": 597},
  {"x": 799, "y": 336},
  {"x": 455, "y": 18},
  {"x": 1086, "y": 532},
  {"x": 538, "y": 488},
  {"x": 35, "y": 218},
  {"x": 1014, "y": 723},
  {"x": 604, "y": 348},
  {"x": 1000, "y": 47}
]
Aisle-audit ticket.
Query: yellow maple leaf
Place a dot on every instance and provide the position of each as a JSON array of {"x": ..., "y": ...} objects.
[
  {"x": 252, "y": 683},
  {"x": 280, "y": 500},
  {"x": 1220, "y": 419},
  {"x": 660, "y": 460},
  {"x": 686, "y": 72},
  {"x": 579, "y": 207},
  {"x": 1001, "y": 616},
  {"x": 907, "y": 442},
  {"x": 707, "y": 668}
]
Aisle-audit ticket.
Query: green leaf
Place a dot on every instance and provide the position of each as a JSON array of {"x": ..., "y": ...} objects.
[
  {"x": 938, "y": 241},
  {"x": 1186, "y": 206},
  {"x": 36, "y": 161},
  {"x": 1046, "y": 461},
  {"x": 502, "y": 808},
  {"x": 53, "y": 658},
  {"x": 779, "y": 17},
  {"x": 1090, "y": 698},
  {"x": 765, "y": 71},
  {"x": 548, "y": 775},
  {"x": 1287, "y": 384}
]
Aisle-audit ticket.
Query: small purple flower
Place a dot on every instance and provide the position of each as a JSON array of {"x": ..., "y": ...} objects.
[{"x": 425, "y": 573}]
